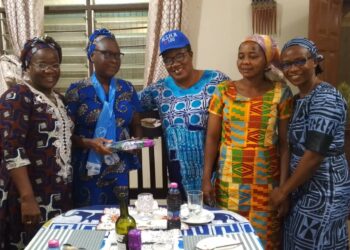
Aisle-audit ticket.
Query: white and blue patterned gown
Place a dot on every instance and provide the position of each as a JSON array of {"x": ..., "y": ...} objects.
[
  {"x": 319, "y": 207},
  {"x": 184, "y": 116}
]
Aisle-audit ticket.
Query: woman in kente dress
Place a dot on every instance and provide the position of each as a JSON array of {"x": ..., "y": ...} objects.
[
  {"x": 247, "y": 127},
  {"x": 182, "y": 100},
  {"x": 103, "y": 108},
  {"x": 319, "y": 184},
  {"x": 35, "y": 147}
]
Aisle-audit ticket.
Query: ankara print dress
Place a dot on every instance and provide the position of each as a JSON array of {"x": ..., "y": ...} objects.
[
  {"x": 84, "y": 107},
  {"x": 248, "y": 161},
  {"x": 36, "y": 134},
  {"x": 319, "y": 207},
  {"x": 184, "y": 116}
]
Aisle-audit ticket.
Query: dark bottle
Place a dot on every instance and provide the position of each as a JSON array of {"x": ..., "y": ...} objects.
[
  {"x": 174, "y": 202},
  {"x": 124, "y": 223}
]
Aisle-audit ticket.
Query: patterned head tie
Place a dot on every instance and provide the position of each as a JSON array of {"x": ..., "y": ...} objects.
[
  {"x": 310, "y": 46},
  {"x": 95, "y": 38},
  {"x": 34, "y": 45},
  {"x": 268, "y": 45}
]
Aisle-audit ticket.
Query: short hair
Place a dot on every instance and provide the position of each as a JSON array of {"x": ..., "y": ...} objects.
[{"x": 33, "y": 45}]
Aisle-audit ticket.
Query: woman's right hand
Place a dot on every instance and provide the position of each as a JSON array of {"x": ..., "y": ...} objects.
[
  {"x": 208, "y": 193},
  {"x": 98, "y": 145},
  {"x": 30, "y": 210}
]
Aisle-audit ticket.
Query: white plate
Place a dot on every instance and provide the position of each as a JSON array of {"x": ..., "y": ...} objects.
[
  {"x": 218, "y": 242},
  {"x": 204, "y": 217}
]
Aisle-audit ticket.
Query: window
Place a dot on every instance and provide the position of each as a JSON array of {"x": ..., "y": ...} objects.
[
  {"x": 5, "y": 43},
  {"x": 71, "y": 22},
  {"x": 69, "y": 30}
]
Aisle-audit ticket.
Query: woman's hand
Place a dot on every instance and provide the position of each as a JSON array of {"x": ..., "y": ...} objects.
[
  {"x": 277, "y": 197},
  {"x": 283, "y": 209},
  {"x": 98, "y": 145},
  {"x": 30, "y": 210},
  {"x": 208, "y": 193}
]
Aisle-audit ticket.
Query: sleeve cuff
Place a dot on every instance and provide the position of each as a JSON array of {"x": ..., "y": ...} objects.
[{"x": 318, "y": 142}]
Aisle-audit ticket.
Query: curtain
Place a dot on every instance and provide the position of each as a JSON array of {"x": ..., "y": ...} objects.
[
  {"x": 25, "y": 19},
  {"x": 163, "y": 15}
]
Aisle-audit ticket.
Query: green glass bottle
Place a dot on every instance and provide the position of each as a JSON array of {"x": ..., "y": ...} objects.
[{"x": 124, "y": 223}]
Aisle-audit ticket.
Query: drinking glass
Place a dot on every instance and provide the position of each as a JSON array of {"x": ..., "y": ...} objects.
[
  {"x": 144, "y": 205},
  {"x": 195, "y": 202}
]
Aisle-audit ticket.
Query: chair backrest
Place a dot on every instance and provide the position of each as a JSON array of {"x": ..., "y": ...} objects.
[{"x": 152, "y": 177}]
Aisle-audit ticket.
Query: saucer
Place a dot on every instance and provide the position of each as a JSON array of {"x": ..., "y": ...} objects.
[
  {"x": 218, "y": 242},
  {"x": 204, "y": 217}
]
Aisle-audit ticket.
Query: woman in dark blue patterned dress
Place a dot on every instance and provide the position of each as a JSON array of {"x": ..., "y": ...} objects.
[
  {"x": 182, "y": 100},
  {"x": 103, "y": 108},
  {"x": 319, "y": 182},
  {"x": 35, "y": 147}
]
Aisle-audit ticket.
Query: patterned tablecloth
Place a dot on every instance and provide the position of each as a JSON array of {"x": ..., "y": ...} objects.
[{"x": 78, "y": 228}]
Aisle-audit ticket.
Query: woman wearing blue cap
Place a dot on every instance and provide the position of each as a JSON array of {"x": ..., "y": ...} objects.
[
  {"x": 319, "y": 183},
  {"x": 104, "y": 108},
  {"x": 182, "y": 100}
]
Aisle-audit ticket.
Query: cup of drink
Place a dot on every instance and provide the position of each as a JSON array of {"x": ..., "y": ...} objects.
[
  {"x": 195, "y": 202},
  {"x": 144, "y": 205}
]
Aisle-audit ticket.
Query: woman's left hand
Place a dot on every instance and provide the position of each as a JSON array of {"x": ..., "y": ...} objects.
[
  {"x": 277, "y": 197},
  {"x": 283, "y": 209}
]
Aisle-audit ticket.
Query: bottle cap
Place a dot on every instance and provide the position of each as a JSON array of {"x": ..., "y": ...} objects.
[
  {"x": 149, "y": 143},
  {"x": 53, "y": 243},
  {"x": 173, "y": 185}
]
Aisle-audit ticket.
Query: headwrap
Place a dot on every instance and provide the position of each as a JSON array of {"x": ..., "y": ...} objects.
[
  {"x": 268, "y": 45},
  {"x": 307, "y": 44},
  {"x": 32, "y": 46},
  {"x": 310, "y": 46},
  {"x": 96, "y": 37}
]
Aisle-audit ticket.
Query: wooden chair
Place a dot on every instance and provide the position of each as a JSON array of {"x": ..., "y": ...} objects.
[{"x": 152, "y": 177}]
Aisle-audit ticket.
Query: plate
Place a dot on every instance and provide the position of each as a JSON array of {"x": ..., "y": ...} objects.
[
  {"x": 204, "y": 217},
  {"x": 218, "y": 242}
]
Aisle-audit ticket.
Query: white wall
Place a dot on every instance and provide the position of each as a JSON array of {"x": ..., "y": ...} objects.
[{"x": 216, "y": 28}]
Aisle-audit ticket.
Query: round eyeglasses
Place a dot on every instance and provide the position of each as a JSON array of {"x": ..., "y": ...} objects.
[
  {"x": 108, "y": 55},
  {"x": 44, "y": 66},
  {"x": 297, "y": 63}
]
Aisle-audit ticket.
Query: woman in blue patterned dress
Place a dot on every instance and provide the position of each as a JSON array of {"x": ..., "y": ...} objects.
[
  {"x": 103, "y": 108},
  {"x": 319, "y": 182},
  {"x": 182, "y": 100}
]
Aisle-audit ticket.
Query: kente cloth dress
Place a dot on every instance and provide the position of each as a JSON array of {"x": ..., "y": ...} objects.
[
  {"x": 319, "y": 207},
  {"x": 84, "y": 107},
  {"x": 248, "y": 157},
  {"x": 36, "y": 134},
  {"x": 184, "y": 116}
]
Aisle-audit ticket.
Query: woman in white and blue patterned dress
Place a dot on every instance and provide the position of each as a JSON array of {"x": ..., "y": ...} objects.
[
  {"x": 319, "y": 184},
  {"x": 182, "y": 100}
]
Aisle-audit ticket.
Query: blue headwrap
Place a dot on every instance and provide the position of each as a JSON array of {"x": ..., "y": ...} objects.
[
  {"x": 307, "y": 44},
  {"x": 96, "y": 37}
]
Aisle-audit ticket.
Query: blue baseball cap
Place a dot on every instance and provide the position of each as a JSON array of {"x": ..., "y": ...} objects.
[{"x": 173, "y": 39}]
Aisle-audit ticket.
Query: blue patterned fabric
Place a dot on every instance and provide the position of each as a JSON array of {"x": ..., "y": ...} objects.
[
  {"x": 105, "y": 125},
  {"x": 184, "y": 115},
  {"x": 307, "y": 44},
  {"x": 320, "y": 207},
  {"x": 84, "y": 107}
]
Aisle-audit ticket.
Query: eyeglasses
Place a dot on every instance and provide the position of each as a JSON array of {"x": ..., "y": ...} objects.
[
  {"x": 110, "y": 55},
  {"x": 44, "y": 66},
  {"x": 179, "y": 57},
  {"x": 297, "y": 63}
]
